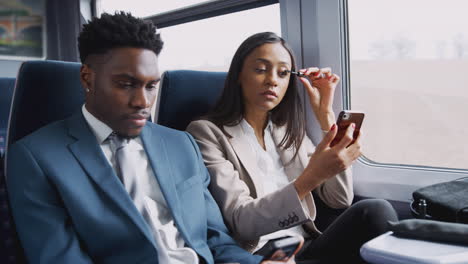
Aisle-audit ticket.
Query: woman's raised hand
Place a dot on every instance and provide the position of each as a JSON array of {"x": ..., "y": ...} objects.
[
  {"x": 320, "y": 85},
  {"x": 328, "y": 161}
]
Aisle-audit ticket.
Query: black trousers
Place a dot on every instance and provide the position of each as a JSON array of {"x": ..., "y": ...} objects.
[{"x": 341, "y": 241}]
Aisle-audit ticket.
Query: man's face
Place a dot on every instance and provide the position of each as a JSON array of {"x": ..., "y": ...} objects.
[{"x": 122, "y": 88}]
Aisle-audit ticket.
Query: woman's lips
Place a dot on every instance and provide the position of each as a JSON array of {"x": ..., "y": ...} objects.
[{"x": 270, "y": 94}]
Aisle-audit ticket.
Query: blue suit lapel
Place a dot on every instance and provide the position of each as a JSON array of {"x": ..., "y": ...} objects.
[
  {"x": 87, "y": 151},
  {"x": 157, "y": 155}
]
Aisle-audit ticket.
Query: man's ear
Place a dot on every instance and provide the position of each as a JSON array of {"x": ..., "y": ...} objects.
[{"x": 86, "y": 77}]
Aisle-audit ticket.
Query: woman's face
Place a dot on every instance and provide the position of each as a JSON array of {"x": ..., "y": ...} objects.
[{"x": 264, "y": 77}]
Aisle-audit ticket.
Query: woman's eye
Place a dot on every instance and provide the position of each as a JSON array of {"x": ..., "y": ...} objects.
[
  {"x": 284, "y": 73},
  {"x": 260, "y": 70}
]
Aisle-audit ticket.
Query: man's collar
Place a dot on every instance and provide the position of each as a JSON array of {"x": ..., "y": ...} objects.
[{"x": 99, "y": 128}]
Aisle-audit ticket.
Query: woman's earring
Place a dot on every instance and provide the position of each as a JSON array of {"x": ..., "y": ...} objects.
[{"x": 87, "y": 90}]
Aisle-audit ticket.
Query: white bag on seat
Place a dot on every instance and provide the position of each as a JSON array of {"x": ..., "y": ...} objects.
[{"x": 389, "y": 249}]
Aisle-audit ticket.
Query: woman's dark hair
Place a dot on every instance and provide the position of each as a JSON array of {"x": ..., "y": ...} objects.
[
  {"x": 229, "y": 109},
  {"x": 116, "y": 31}
]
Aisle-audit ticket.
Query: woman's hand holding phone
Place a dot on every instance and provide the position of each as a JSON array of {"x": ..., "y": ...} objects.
[
  {"x": 281, "y": 250},
  {"x": 320, "y": 85},
  {"x": 345, "y": 119},
  {"x": 327, "y": 161}
]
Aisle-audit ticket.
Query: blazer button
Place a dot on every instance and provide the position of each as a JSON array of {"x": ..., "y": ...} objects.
[
  {"x": 293, "y": 217},
  {"x": 281, "y": 224}
]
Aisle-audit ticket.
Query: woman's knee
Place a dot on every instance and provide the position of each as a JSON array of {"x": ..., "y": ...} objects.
[
  {"x": 377, "y": 206},
  {"x": 374, "y": 203},
  {"x": 377, "y": 212}
]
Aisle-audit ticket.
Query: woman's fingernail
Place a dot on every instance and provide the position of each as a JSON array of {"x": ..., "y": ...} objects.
[{"x": 333, "y": 127}]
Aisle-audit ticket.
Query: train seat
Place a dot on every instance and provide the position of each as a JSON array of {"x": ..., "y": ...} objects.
[
  {"x": 9, "y": 246},
  {"x": 6, "y": 92},
  {"x": 45, "y": 91},
  {"x": 185, "y": 95}
]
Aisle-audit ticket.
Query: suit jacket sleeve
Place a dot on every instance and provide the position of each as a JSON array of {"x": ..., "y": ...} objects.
[
  {"x": 247, "y": 217},
  {"x": 337, "y": 192},
  {"x": 223, "y": 247},
  {"x": 43, "y": 226}
]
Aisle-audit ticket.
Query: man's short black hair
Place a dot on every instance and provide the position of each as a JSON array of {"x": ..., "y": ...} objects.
[{"x": 117, "y": 31}]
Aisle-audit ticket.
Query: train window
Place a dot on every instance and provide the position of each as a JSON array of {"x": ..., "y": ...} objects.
[
  {"x": 408, "y": 62},
  {"x": 143, "y": 8},
  {"x": 22, "y": 30},
  {"x": 209, "y": 44}
]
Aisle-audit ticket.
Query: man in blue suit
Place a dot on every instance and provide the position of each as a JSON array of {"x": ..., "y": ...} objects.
[{"x": 75, "y": 199}]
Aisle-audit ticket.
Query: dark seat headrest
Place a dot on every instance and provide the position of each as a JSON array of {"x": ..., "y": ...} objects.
[
  {"x": 186, "y": 95},
  {"x": 46, "y": 91}
]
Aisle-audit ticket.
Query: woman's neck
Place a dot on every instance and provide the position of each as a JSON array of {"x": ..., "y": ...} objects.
[{"x": 258, "y": 120}]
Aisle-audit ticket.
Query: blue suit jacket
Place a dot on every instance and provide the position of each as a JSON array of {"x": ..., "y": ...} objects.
[{"x": 70, "y": 207}]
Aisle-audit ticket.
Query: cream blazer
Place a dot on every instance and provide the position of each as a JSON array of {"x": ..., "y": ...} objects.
[{"x": 236, "y": 185}]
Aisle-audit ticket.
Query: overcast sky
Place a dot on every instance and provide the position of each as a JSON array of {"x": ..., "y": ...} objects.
[{"x": 432, "y": 25}]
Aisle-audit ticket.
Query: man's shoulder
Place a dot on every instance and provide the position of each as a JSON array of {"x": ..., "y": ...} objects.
[
  {"x": 177, "y": 142},
  {"x": 165, "y": 131},
  {"x": 168, "y": 134},
  {"x": 47, "y": 134}
]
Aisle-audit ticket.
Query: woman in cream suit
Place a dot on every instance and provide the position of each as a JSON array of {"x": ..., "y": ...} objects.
[{"x": 264, "y": 167}]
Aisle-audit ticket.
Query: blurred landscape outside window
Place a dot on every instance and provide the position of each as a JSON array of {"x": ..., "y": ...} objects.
[{"x": 409, "y": 73}]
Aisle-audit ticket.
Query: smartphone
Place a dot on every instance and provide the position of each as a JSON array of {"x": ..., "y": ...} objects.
[
  {"x": 345, "y": 119},
  {"x": 280, "y": 248}
]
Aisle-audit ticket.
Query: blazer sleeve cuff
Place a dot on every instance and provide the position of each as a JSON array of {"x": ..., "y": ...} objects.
[
  {"x": 299, "y": 211},
  {"x": 309, "y": 205}
]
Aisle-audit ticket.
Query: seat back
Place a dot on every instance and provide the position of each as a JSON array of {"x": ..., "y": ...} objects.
[
  {"x": 6, "y": 92},
  {"x": 10, "y": 251},
  {"x": 45, "y": 91},
  {"x": 186, "y": 95}
]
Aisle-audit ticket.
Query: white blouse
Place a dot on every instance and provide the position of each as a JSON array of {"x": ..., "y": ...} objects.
[{"x": 273, "y": 174}]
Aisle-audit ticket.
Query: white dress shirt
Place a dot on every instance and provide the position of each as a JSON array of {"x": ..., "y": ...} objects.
[
  {"x": 170, "y": 244},
  {"x": 273, "y": 174}
]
